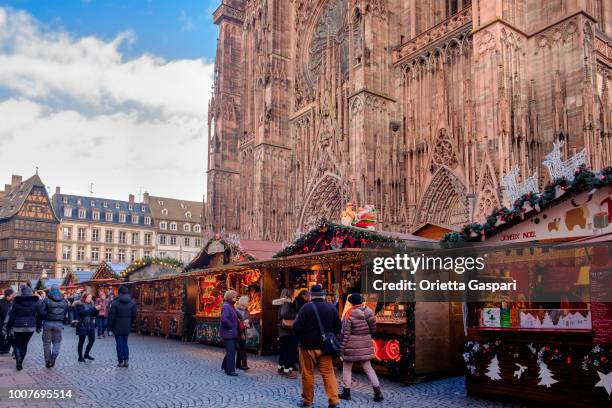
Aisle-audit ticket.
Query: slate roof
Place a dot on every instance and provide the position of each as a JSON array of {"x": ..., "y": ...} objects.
[
  {"x": 48, "y": 282},
  {"x": 118, "y": 267},
  {"x": 103, "y": 205},
  {"x": 83, "y": 276},
  {"x": 176, "y": 209},
  {"x": 12, "y": 202}
]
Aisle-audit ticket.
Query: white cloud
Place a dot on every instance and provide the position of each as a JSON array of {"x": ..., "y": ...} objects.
[
  {"x": 186, "y": 23},
  {"x": 83, "y": 112}
]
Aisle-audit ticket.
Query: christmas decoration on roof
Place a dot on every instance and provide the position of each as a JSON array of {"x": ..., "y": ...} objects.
[
  {"x": 516, "y": 190},
  {"x": 529, "y": 204},
  {"x": 326, "y": 236},
  {"x": 564, "y": 169},
  {"x": 364, "y": 217},
  {"x": 146, "y": 261}
]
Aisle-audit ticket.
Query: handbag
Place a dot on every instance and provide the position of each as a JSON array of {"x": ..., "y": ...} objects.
[
  {"x": 287, "y": 324},
  {"x": 331, "y": 345}
]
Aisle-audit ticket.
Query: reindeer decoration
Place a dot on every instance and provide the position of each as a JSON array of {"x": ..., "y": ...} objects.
[
  {"x": 563, "y": 169},
  {"x": 516, "y": 190}
]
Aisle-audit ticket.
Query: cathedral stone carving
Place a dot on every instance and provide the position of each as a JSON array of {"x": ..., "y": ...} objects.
[{"x": 415, "y": 107}]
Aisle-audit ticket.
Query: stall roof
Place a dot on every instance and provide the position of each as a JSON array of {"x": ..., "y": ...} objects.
[
  {"x": 260, "y": 249},
  {"x": 336, "y": 255},
  {"x": 53, "y": 281},
  {"x": 327, "y": 235},
  {"x": 435, "y": 231},
  {"x": 83, "y": 276},
  {"x": 590, "y": 240}
]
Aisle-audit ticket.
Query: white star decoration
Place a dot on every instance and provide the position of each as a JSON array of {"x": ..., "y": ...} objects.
[{"x": 605, "y": 380}]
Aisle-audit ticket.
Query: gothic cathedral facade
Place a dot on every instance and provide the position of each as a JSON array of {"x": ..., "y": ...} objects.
[{"x": 418, "y": 107}]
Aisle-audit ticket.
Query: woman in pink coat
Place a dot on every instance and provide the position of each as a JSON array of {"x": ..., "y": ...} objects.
[{"x": 358, "y": 326}]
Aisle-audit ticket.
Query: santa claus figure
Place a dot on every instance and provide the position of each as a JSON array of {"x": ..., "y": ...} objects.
[{"x": 366, "y": 217}]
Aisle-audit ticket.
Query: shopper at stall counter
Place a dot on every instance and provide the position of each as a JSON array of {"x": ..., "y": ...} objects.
[
  {"x": 244, "y": 322},
  {"x": 358, "y": 325},
  {"x": 86, "y": 325},
  {"x": 229, "y": 332},
  {"x": 310, "y": 340},
  {"x": 52, "y": 312},
  {"x": 121, "y": 316},
  {"x": 288, "y": 348},
  {"x": 22, "y": 322},
  {"x": 5, "y": 306}
]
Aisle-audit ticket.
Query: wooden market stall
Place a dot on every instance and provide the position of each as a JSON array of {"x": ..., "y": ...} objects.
[
  {"x": 159, "y": 291},
  {"x": 220, "y": 266},
  {"x": 206, "y": 289},
  {"x": 413, "y": 339},
  {"x": 106, "y": 277},
  {"x": 549, "y": 341},
  {"x": 74, "y": 280}
]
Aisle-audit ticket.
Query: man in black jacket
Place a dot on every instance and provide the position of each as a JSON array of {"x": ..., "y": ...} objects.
[
  {"x": 52, "y": 313},
  {"x": 5, "y": 306},
  {"x": 306, "y": 328},
  {"x": 121, "y": 315}
]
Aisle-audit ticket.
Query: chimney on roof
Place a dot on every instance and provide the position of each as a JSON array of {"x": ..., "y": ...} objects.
[
  {"x": 145, "y": 197},
  {"x": 131, "y": 198},
  {"x": 15, "y": 180},
  {"x": 57, "y": 190}
]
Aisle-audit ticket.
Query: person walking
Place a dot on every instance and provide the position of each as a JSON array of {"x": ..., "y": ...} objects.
[
  {"x": 358, "y": 325},
  {"x": 101, "y": 320},
  {"x": 308, "y": 331},
  {"x": 5, "y": 306},
  {"x": 110, "y": 298},
  {"x": 229, "y": 332},
  {"x": 244, "y": 322},
  {"x": 52, "y": 312},
  {"x": 74, "y": 301},
  {"x": 86, "y": 325},
  {"x": 121, "y": 316},
  {"x": 22, "y": 322},
  {"x": 288, "y": 348}
]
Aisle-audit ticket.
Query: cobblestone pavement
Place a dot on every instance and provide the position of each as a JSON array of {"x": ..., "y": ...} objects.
[{"x": 168, "y": 373}]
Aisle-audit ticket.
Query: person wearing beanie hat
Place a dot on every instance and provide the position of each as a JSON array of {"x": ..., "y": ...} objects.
[
  {"x": 52, "y": 311},
  {"x": 310, "y": 336},
  {"x": 358, "y": 325},
  {"x": 121, "y": 316},
  {"x": 5, "y": 306},
  {"x": 23, "y": 320}
]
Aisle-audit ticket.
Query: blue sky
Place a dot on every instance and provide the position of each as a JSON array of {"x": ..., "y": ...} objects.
[
  {"x": 168, "y": 28},
  {"x": 108, "y": 92}
]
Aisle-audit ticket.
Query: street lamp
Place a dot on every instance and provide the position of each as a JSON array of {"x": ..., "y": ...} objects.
[
  {"x": 19, "y": 264},
  {"x": 44, "y": 275}
]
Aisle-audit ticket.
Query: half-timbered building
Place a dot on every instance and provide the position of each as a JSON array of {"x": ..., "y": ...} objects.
[{"x": 28, "y": 231}]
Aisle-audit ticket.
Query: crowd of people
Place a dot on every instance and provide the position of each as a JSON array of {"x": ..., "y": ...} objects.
[
  {"x": 23, "y": 314},
  {"x": 310, "y": 330},
  {"x": 311, "y": 334}
]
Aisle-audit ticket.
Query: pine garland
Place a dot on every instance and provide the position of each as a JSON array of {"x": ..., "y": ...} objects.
[
  {"x": 146, "y": 261},
  {"x": 311, "y": 241},
  {"x": 500, "y": 219}
]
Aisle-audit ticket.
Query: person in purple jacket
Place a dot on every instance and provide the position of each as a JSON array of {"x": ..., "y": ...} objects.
[{"x": 229, "y": 332}]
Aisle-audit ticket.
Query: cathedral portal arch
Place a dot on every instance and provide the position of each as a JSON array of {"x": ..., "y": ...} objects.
[
  {"x": 323, "y": 200},
  {"x": 445, "y": 200}
]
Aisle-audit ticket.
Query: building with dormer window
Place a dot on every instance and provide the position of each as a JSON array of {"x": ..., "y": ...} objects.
[
  {"x": 93, "y": 230},
  {"x": 178, "y": 227}
]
